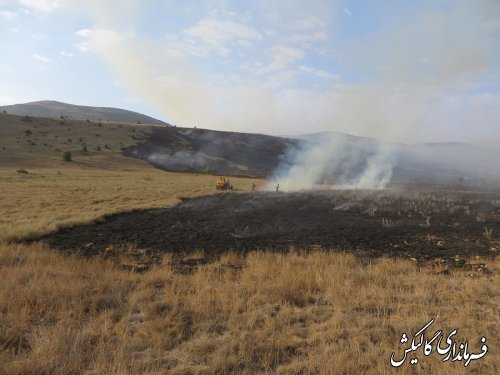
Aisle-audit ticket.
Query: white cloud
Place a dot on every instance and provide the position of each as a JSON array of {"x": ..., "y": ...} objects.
[
  {"x": 67, "y": 54},
  {"x": 282, "y": 57},
  {"x": 307, "y": 39},
  {"x": 84, "y": 32},
  {"x": 84, "y": 46},
  {"x": 310, "y": 23},
  {"x": 318, "y": 72},
  {"x": 218, "y": 35},
  {"x": 41, "y": 5},
  {"x": 7, "y": 14},
  {"x": 41, "y": 58}
]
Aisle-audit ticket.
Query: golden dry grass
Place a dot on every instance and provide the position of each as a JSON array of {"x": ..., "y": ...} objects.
[
  {"x": 321, "y": 313},
  {"x": 45, "y": 199},
  {"x": 318, "y": 313}
]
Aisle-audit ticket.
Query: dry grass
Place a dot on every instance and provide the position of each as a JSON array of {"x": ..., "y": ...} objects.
[
  {"x": 320, "y": 313},
  {"x": 45, "y": 199}
]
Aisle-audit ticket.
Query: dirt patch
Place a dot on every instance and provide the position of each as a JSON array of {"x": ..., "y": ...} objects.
[{"x": 426, "y": 227}]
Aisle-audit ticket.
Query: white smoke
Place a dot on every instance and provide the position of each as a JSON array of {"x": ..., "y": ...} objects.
[
  {"x": 336, "y": 161},
  {"x": 179, "y": 160}
]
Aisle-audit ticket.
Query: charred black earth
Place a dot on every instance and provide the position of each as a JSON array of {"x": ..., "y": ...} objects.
[{"x": 441, "y": 227}]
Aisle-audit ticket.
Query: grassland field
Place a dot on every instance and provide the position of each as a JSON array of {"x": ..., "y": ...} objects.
[{"x": 322, "y": 312}]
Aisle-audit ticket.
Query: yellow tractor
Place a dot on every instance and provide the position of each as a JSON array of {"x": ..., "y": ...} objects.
[{"x": 223, "y": 184}]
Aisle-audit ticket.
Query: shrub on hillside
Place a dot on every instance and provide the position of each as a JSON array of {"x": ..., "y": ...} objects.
[{"x": 66, "y": 156}]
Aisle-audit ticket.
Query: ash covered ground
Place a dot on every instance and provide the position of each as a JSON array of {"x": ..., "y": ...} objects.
[{"x": 428, "y": 227}]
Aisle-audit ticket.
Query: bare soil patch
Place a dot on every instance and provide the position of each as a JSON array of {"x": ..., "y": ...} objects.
[{"x": 434, "y": 227}]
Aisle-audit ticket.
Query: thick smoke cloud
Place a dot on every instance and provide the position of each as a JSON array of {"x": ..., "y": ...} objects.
[{"x": 334, "y": 160}]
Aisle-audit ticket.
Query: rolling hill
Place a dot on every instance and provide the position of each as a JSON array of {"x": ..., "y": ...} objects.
[
  {"x": 39, "y": 141},
  {"x": 49, "y": 108}
]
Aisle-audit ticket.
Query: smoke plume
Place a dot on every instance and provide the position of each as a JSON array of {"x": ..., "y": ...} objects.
[{"x": 334, "y": 160}]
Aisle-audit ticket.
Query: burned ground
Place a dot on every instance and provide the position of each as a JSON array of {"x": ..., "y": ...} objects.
[
  {"x": 428, "y": 227},
  {"x": 201, "y": 150}
]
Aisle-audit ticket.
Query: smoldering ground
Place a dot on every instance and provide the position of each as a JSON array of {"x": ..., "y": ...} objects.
[{"x": 206, "y": 151}]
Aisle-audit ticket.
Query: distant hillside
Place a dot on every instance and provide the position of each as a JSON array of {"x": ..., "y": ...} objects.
[
  {"x": 34, "y": 142},
  {"x": 210, "y": 151},
  {"x": 39, "y": 141},
  {"x": 242, "y": 154},
  {"x": 48, "y": 108}
]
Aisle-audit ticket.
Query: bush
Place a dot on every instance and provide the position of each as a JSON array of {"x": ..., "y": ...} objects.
[
  {"x": 27, "y": 118},
  {"x": 27, "y": 132},
  {"x": 66, "y": 156},
  {"x": 84, "y": 148}
]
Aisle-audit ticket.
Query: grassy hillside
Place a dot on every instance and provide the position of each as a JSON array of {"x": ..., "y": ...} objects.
[
  {"x": 38, "y": 142},
  {"x": 27, "y": 141},
  {"x": 49, "y": 108}
]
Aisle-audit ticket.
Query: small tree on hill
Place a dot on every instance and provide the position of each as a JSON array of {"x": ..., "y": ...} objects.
[{"x": 66, "y": 156}]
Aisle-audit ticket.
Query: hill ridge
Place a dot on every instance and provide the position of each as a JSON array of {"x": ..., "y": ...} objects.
[{"x": 54, "y": 108}]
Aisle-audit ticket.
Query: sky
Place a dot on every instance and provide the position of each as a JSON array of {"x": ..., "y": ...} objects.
[{"x": 404, "y": 71}]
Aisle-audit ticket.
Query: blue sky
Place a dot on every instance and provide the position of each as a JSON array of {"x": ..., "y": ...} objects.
[{"x": 397, "y": 70}]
